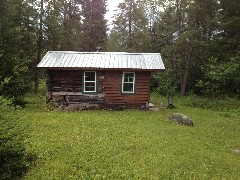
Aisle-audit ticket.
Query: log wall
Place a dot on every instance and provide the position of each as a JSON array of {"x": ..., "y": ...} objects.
[
  {"x": 67, "y": 87},
  {"x": 113, "y": 89}
]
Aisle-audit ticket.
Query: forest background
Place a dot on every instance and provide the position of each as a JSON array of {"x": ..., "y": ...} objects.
[{"x": 198, "y": 41}]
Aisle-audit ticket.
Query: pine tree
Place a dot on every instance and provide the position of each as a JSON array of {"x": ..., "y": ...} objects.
[
  {"x": 222, "y": 70},
  {"x": 63, "y": 26},
  {"x": 183, "y": 33},
  {"x": 94, "y": 24},
  {"x": 131, "y": 31},
  {"x": 17, "y": 42}
]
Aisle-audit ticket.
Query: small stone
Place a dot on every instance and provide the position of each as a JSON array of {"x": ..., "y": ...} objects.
[
  {"x": 236, "y": 150},
  {"x": 181, "y": 119}
]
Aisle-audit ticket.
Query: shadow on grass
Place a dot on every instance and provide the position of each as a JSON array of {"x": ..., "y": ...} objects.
[{"x": 15, "y": 161}]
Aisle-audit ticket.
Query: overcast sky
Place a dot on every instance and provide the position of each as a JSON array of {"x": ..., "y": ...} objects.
[{"x": 111, "y": 6}]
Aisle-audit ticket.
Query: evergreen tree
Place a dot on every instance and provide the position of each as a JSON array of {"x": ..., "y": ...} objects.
[
  {"x": 53, "y": 29},
  {"x": 94, "y": 24},
  {"x": 183, "y": 35},
  {"x": 17, "y": 42},
  {"x": 63, "y": 26},
  {"x": 222, "y": 70},
  {"x": 130, "y": 31}
]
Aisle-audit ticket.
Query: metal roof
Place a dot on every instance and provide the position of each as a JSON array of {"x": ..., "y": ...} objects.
[{"x": 101, "y": 60}]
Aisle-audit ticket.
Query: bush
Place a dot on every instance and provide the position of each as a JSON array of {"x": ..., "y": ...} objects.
[
  {"x": 14, "y": 159},
  {"x": 165, "y": 84},
  {"x": 15, "y": 85},
  {"x": 221, "y": 78}
]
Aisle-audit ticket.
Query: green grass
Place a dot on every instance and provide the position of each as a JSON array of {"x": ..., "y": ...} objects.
[{"x": 129, "y": 144}]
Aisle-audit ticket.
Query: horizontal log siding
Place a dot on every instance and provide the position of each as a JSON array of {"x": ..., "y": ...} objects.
[
  {"x": 113, "y": 89},
  {"x": 68, "y": 81},
  {"x": 60, "y": 83}
]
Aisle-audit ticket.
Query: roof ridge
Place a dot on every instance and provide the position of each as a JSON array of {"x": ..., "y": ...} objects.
[{"x": 78, "y": 52}]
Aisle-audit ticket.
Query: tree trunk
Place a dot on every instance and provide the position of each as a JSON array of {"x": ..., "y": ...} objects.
[
  {"x": 179, "y": 17},
  {"x": 54, "y": 37},
  {"x": 185, "y": 78},
  {"x": 130, "y": 25},
  {"x": 39, "y": 55}
]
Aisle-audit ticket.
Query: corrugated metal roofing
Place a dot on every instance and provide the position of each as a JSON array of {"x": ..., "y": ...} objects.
[{"x": 102, "y": 60}]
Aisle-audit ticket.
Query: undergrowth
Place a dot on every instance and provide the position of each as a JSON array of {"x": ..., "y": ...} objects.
[
  {"x": 224, "y": 104},
  {"x": 14, "y": 159},
  {"x": 227, "y": 106}
]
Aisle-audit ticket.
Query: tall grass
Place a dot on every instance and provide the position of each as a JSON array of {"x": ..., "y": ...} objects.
[{"x": 227, "y": 106}]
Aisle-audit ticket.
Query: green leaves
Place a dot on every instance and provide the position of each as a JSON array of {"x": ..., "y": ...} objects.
[
  {"x": 17, "y": 42},
  {"x": 166, "y": 83},
  {"x": 221, "y": 78}
]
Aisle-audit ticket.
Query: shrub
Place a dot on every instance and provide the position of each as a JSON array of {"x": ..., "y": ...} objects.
[
  {"x": 13, "y": 157},
  {"x": 219, "y": 76},
  {"x": 15, "y": 85}
]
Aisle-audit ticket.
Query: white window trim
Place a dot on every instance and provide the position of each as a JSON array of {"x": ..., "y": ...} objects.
[
  {"x": 95, "y": 89},
  {"x": 134, "y": 81}
]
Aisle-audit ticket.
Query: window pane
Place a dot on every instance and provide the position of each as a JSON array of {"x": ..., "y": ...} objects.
[
  {"x": 89, "y": 76},
  {"x": 128, "y": 87},
  {"x": 128, "y": 77},
  {"x": 89, "y": 84},
  {"x": 89, "y": 88},
  {"x": 89, "y": 81}
]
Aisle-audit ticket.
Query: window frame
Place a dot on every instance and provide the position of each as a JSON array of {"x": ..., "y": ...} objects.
[
  {"x": 84, "y": 83},
  {"x": 134, "y": 84}
]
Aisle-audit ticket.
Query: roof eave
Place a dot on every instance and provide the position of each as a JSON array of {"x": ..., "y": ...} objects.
[{"x": 100, "y": 69}]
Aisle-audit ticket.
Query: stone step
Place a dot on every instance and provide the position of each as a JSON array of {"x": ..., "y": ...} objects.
[{"x": 152, "y": 107}]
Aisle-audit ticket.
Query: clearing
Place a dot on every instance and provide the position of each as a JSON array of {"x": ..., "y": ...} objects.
[{"x": 128, "y": 144}]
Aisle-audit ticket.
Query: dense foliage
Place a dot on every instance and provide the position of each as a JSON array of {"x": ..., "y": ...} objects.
[
  {"x": 198, "y": 40},
  {"x": 29, "y": 28},
  {"x": 17, "y": 42}
]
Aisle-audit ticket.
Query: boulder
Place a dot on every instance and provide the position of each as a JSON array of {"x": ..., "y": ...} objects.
[{"x": 181, "y": 119}]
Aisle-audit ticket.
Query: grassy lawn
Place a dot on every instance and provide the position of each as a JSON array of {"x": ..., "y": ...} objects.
[{"x": 129, "y": 144}]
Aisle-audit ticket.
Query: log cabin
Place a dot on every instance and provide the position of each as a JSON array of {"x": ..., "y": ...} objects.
[{"x": 100, "y": 79}]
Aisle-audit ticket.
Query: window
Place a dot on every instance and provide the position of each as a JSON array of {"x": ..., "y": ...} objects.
[
  {"x": 90, "y": 82},
  {"x": 128, "y": 82}
]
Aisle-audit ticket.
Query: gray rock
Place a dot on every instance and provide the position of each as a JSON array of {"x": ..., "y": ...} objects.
[
  {"x": 73, "y": 107},
  {"x": 80, "y": 107},
  {"x": 181, "y": 119}
]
